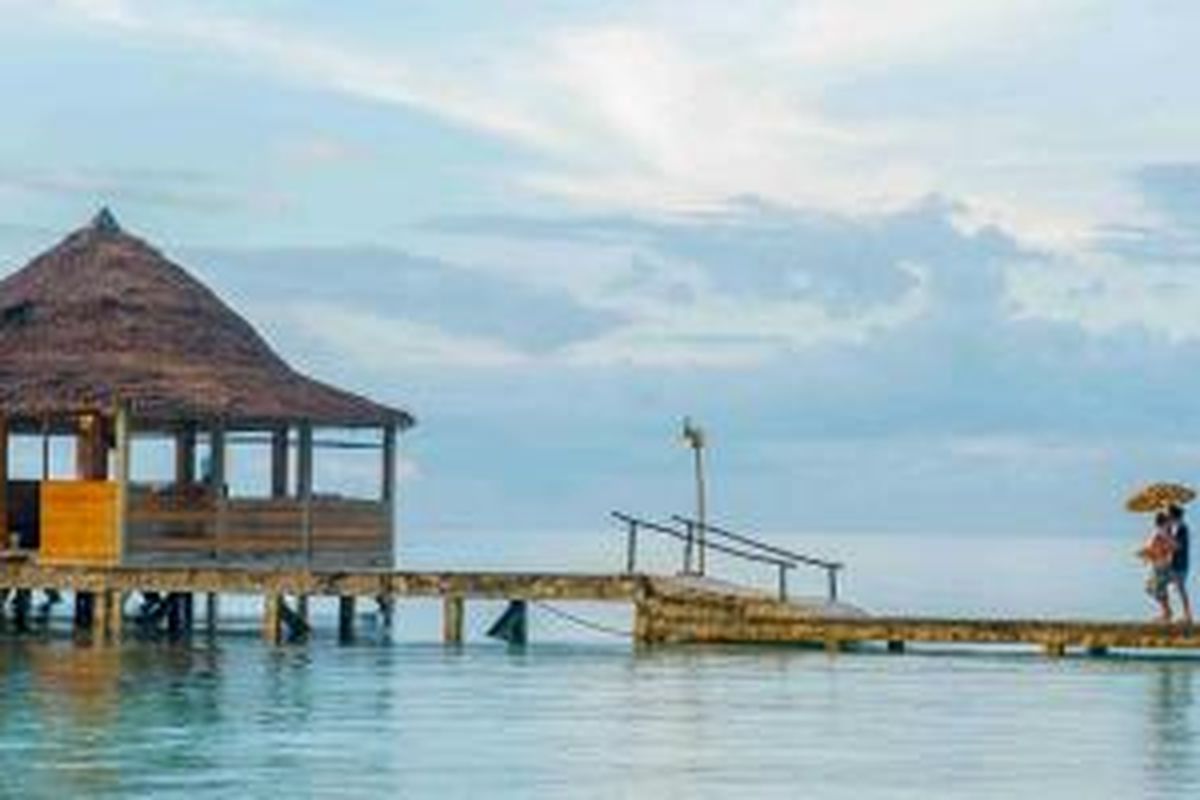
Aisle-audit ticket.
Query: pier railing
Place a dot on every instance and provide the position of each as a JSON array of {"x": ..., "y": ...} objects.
[
  {"x": 698, "y": 532},
  {"x": 694, "y": 535}
]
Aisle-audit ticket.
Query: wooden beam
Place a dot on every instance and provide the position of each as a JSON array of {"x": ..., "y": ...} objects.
[
  {"x": 453, "y": 607},
  {"x": 272, "y": 621},
  {"x": 346, "y": 605},
  {"x": 216, "y": 480},
  {"x": 389, "y": 488},
  {"x": 211, "y": 611},
  {"x": 91, "y": 448},
  {"x": 279, "y": 462},
  {"x": 122, "y": 469},
  {"x": 304, "y": 488},
  {"x": 185, "y": 455}
]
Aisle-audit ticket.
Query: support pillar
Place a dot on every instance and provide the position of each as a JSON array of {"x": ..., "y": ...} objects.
[
  {"x": 211, "y": 611},
  {"x": 279, "y": 462},
  {"x": 106, "y": 615},
  {"x": 177, "y": 614},
  {"x": 272, "y": 622},
  {"x": 387, "y": 613},
  {"x": 346, "y": 605},
  {"x": 91, "y": 449},
  {"x": 388, "y": 489},
  {"x": 895, "y": 646},
  {"x": 294, "y": 622},
  {"x": 85, "y": 610},
  {"x": 22, "y": 604},
  {"x": 185, "y": 456},
  {"x": 304, "y": 489},
  {"x": 452, "y": 619},
  {"x": 513, "y": 625}
]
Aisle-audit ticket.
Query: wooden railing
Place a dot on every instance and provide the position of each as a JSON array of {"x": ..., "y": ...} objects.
[{"x": 202, "y": 526}]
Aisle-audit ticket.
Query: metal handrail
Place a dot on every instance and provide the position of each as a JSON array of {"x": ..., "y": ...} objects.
[
  {"x": 811, "y": 561},
  {"x": 831, "y": 567},
  {"x": 634, "y": 524}
]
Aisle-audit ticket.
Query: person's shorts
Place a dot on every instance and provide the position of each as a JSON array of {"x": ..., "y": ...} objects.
[
  {"x": 1179, "y": 575},
  {"x": 1157, "y": 582}
]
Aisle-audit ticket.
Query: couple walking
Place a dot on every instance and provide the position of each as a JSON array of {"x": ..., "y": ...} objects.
[{"x": 1166, "y": 551}]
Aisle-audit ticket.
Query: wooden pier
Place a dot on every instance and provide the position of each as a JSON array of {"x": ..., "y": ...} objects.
[{"x": 667, "y": 609}]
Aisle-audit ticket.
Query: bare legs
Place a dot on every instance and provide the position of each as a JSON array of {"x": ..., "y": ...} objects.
[{"x": 1180, "y": 582}]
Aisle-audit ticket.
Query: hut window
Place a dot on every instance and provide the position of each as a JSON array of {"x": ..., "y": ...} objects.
[
  {"x": 16, "y": 315},
  {"x": 346, "y": 464}
]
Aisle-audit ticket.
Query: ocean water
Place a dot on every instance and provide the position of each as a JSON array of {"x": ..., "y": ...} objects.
[{"x": 581, "y": 713}]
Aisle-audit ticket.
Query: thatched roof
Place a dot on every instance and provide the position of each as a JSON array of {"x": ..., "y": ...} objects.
[{"x": 104, "y": 319}]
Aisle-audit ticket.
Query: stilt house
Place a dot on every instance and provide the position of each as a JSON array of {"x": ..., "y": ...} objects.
[{"x": 107, "y": 343}]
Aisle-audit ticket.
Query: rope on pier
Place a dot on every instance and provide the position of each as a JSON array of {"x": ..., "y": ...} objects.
[{"x": 583, "y": 623}]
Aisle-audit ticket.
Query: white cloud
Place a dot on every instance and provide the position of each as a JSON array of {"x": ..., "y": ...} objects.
[
  {"x": 321, "y": 151},
  {"x": 648, "y": 113},
  {"x": 878, "y": 34},
  {"x": 293, "y": 56},
  {"x": 381, "y": 343},
  {"x": 1027, "y": 450}
]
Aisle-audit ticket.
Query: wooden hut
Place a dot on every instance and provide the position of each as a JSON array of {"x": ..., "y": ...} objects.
[{"x": 106, "y": 342}]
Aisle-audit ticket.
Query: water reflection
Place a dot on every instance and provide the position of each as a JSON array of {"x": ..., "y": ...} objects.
[
  {"x": 1171, "y": 760},
  {"x": 232, "y": 718}
]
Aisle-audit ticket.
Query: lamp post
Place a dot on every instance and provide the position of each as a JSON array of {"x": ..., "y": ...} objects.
[{"x": 693, "y": 437}]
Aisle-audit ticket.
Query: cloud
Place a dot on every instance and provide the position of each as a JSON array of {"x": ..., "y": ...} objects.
[
  {"x": 757, "y": 281},
  {"x": 322, "y": 151},
  {"x": 389, "y": 307},
  {"x": 181, "y": 189},
  {"x": 293, "y": 56},
  {"x": 384, "y": 344},
  {"x": 642, "y": 110}
]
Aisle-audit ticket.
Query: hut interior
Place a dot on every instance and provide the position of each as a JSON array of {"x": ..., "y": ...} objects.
[{"x": 143, "y": 422}]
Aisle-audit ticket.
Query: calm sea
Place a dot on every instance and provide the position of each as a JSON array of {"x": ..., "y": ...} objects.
[{"x": 580, "y": 713}]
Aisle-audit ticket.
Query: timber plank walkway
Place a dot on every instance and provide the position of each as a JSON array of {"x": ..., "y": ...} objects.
[{"x": 667, "y": 609}]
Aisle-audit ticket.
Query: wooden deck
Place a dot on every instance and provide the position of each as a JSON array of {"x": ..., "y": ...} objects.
[{"x": 668, "y": 609}]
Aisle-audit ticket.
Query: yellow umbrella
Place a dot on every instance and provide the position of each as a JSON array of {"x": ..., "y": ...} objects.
[{"x": 1158, "y": 496}]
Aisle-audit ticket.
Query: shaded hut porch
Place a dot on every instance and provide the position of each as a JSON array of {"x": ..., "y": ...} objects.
[{"x": 126, "y": 489}]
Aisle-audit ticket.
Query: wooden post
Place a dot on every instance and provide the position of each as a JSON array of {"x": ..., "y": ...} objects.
[
  {"x": 177, "y": 626},
  {"x": 346, "y": 618},
  {"x": 122, "y": 469},
  {"x": 91, "y": 449},
  {"x": 387, "y": 612},
  {"x": 211, "y": 610},
  {"x": 85, "y": 610},
  {"x": 216, "y": 480},
  {"x": 114, "y": 605},
  {"x": 272, "y": 622},
  {"x": 452, "y": 619},
  {"x": 389, "y": 488},
  {"x": 185, "y": 456},
  {"x": 304, "y": 489},
  {"x": 279, "y": 462},
  {"x": 22, "y": 604},
  {"x": 106, "y": 615},
  {"x": 45, "y": 449},
  {"x": 5, "y": 543}
]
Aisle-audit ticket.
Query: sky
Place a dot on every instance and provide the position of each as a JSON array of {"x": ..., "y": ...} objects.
[{"x": 921, "y": 266}]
